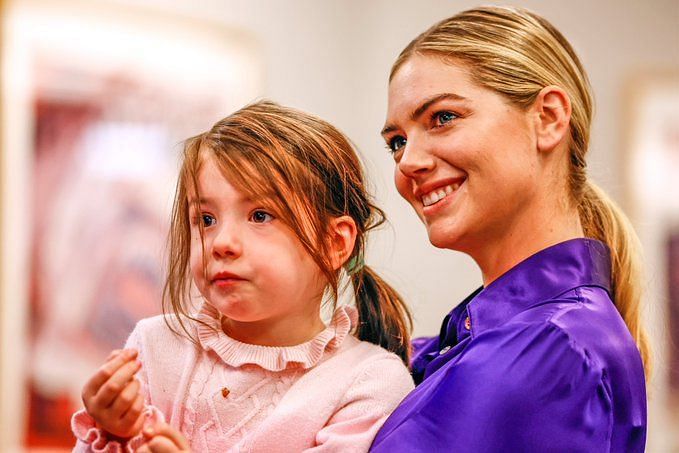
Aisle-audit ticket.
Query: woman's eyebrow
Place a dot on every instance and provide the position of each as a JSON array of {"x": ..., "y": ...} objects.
[{"x": 417, "y": 113}]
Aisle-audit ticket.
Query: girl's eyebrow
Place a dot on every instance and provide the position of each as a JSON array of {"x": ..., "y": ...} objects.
[
  {"x": 417, "y": 113},
  {"x": 193, "y": 201},
  {"x": 198, "y": 201}
]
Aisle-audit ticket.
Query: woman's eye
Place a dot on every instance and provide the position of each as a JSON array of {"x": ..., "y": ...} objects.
[
  {"x": 442, "y": 118},
  {"x": 260, "y": 216},
  {"x": 207, "y": 220},
  {"x": 396, "y": 143}
]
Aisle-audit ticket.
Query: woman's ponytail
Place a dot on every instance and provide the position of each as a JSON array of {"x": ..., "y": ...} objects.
[
  {"x": 384, "y": 318},
  {"x": 527, "y": 56},
  {"x": 602, "y": 219}
]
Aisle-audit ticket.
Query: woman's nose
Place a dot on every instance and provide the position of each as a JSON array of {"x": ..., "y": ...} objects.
[
  {"x": 227, "y": 242},
  {"x": 416, "y": 159}
]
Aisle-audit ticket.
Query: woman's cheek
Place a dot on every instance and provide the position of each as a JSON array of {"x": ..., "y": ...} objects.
[{"x": 403, "y": 185}]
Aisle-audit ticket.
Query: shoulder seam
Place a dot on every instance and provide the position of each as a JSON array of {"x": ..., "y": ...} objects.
[
  {"x": 573, "y": 343},
  {"x": 575, "y": 290}
]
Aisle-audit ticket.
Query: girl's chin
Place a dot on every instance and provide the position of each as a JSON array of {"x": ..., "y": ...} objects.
[{"x": 235, "y": 310}]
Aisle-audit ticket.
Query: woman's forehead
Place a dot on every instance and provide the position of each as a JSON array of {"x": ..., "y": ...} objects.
[
  {"x": 423, "y": 80},
  {"x": 425, "y": 74}
]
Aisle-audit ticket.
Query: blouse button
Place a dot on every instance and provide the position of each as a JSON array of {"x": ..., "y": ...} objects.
[
  {"x": 444, "y": 350},
  {"x": 467, "y": 323}
]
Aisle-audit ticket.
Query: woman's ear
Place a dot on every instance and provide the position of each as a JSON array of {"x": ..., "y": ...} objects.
[
  {"x": 553, "y": 114},
  {"x": 342, "y": 240}
]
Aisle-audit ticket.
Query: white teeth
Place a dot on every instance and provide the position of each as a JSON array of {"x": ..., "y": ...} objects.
[{"x": 437, "y": 195}]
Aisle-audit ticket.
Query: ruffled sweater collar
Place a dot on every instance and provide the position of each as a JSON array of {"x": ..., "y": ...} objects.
[{"x": 273, "y": 358}]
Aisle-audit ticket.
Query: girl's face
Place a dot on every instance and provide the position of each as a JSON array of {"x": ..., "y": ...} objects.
[
  {"x": 465, "y": 158},
  {"x": 257, "y": 271}
]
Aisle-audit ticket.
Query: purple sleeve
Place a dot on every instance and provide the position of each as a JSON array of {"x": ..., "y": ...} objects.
[
  {"x": 526, "y": 389},
  {"x": 423, "y": 345}
]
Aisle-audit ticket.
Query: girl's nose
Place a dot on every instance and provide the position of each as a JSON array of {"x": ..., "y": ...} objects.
[
  {"x": 416, "y": 159},
  {"x": 227, "y": 242}
]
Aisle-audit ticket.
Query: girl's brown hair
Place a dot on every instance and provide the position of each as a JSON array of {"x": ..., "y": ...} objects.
[
  {"x": 310, "y": 174},
  {"x": 516, "y": 53}
]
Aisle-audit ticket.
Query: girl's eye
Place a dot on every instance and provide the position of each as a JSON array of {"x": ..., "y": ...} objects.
[
  {"x": 260, "y": 216},
  {"x": 207, "y": 220},
  {"x": 443, "y": 118},
  {"x": 396, "y": 143}
]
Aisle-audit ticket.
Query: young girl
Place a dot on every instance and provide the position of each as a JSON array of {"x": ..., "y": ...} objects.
[{"x": 270, "y": 208}]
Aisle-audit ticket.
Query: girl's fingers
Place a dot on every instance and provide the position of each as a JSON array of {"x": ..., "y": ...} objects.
[
  {"x": 105, "y": 373},
  {"x": 164, "y": 431},
  {"x": 126, "y": 398},
  {"x": 113, "y": 353},
  {"x": 116, "y": 383},
  {"x": 162, "y": 444},
  {"x": 134, "y": 413}
]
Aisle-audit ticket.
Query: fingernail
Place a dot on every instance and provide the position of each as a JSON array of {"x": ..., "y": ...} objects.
[{"x": 148, "y": 422}]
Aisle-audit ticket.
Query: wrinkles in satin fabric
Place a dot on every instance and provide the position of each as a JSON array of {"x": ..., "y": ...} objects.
[
  {"x": 548, "y": 365},
  {"x": 530, "y": 389}
]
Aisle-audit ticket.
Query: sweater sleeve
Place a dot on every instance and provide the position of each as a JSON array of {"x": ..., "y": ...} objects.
[
  {"x": 375, "y": 393},
  {"x": 92, "y": 439}
]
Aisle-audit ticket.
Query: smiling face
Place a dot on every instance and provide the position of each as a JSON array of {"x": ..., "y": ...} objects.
[
  {"x": 466, "y": 159},
  {"x": 257, "y": 273}
]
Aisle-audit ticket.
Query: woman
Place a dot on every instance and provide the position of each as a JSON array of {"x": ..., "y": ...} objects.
[{"x": 488, "y": 122}]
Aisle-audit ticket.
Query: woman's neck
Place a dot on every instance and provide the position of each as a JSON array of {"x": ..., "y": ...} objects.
[{"x": 530, "y": 234}]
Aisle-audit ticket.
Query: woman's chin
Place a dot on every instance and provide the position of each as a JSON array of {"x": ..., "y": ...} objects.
[
  {"x": 442, "y": 233},
  {"x": 443, "y": 240}
]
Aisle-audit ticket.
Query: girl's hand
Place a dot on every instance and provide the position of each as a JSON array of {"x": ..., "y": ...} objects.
[
  {"x": 162, "y": 438},
  {"x": 112, "y": 397}
]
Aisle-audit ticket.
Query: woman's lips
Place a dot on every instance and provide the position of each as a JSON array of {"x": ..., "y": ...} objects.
[
  {"x": 437, "y": 199},
  {"x": 439, "y": 194}
]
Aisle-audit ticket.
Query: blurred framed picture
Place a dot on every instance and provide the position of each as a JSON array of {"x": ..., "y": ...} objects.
[
  {"x": 100, "y": 99},
  {"x": 651, "y": 186}
]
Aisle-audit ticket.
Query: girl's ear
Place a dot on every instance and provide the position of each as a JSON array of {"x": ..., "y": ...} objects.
[
  {"x": 553, "y": 115},
  {"x": 342, "y": 240}
]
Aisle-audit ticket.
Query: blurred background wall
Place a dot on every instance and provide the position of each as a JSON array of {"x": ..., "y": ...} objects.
[{"x": 98, "y": 68}]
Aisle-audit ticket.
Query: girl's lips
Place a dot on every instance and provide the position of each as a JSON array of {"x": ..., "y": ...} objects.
[
  {"x": 226, "y": 282},
  {"x": 226, "y": 279}
]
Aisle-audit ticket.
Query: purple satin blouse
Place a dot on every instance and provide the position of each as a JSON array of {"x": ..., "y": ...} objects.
[{"x": 540, "y": 360}]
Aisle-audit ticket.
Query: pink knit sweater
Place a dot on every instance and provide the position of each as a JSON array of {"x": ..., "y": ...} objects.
[{"x": 329, "y": 394}]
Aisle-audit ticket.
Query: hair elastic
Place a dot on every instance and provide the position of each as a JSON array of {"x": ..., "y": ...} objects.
[{"x": 355, "y": 264}]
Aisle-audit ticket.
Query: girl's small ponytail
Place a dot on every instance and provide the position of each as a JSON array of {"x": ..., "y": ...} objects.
[{"x": 384, "y": 318}]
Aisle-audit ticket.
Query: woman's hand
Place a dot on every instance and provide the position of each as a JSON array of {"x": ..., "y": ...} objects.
[
  {"x": 112, "y": 397},
  {"x": 162, "y": 438}
]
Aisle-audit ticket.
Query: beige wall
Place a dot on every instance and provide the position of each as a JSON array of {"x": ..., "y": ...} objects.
[{"x": 332, "y": 58}]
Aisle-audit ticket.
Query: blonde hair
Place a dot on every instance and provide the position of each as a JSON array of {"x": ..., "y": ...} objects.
[
  {"x": 308, "y": 173},
  {"x": 516, "y": 53}
]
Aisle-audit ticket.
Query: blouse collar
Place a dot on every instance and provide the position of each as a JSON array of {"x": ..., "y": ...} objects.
[
  {"x": 540, "y": 277},
  {"x": 273, "y": 358}
]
